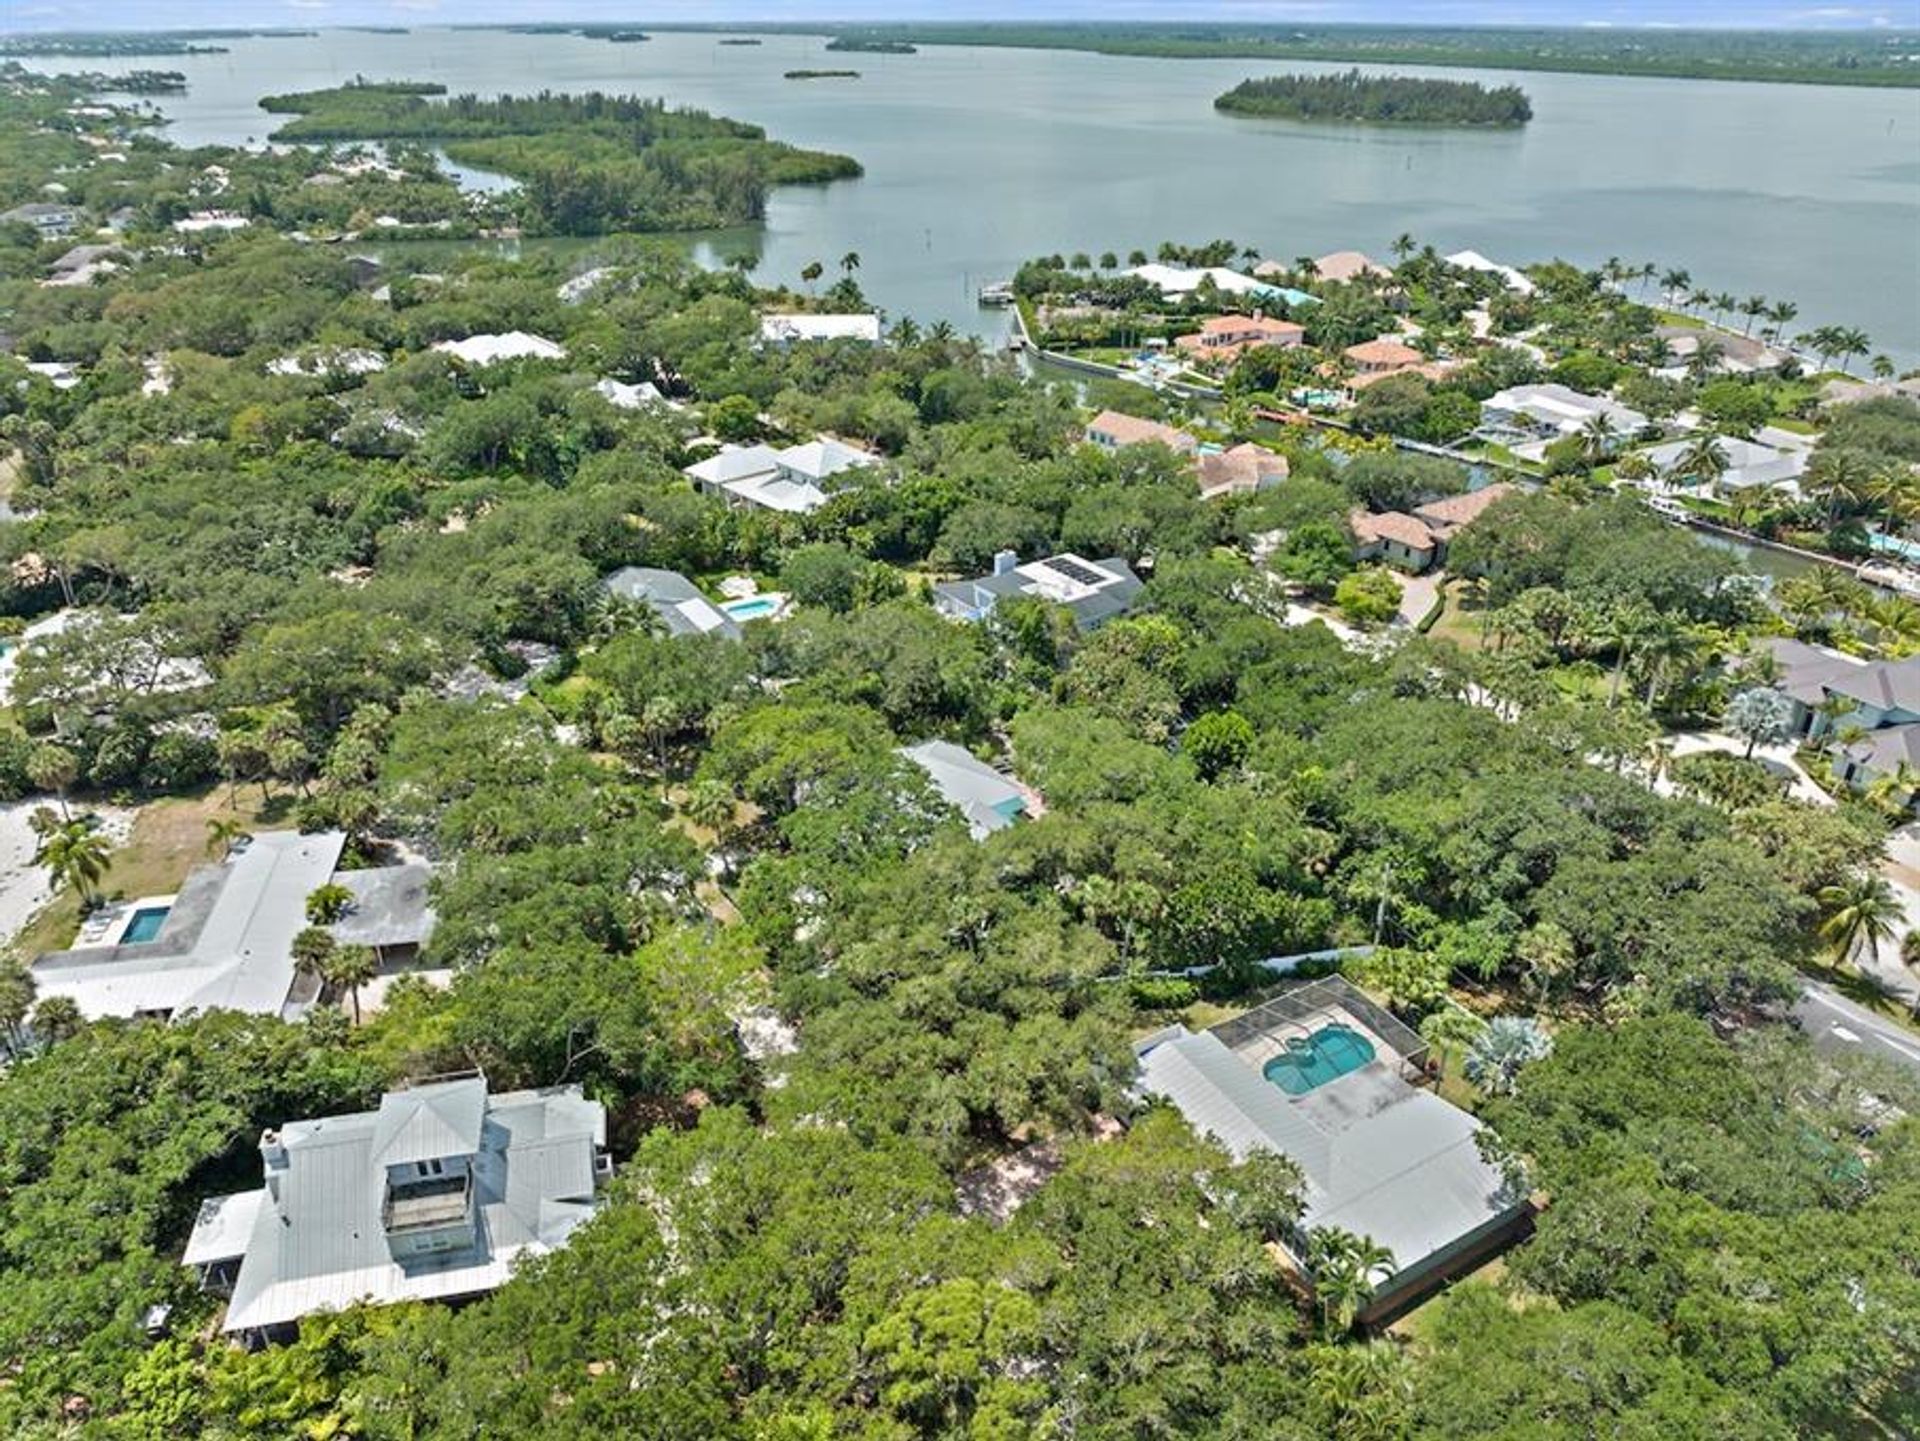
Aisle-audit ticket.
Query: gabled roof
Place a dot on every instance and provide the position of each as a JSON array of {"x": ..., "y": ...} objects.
[
  {"x": 429, "y": 1123},
  {"x": 734, "y": 462},
  {"x": 1886, "y": 685},
  {"x": 1393, "y": 525},
  {"x": 675, "y": 599},
  {"x": 1344, "y": 265},
  {"x": 1454, "y": 511},
  {"x": 1243, "y": 468},
  {"x": 987, "y": 799},
  {"x": 513, "y": 345}
]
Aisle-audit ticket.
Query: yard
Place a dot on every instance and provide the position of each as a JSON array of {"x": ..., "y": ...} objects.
[{"x": 169, "y": 838}]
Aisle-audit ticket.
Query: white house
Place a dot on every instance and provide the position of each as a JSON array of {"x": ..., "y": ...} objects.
[
  {"x": 1174, "y": 280},
  {"x": 1531, "y": 417},
  {"x": 787, "y": 329},
  {"x": 490, "y": 349},
  {"x": 794, "y": 480},
  {"x": 1474, "y": 260},
  {"x": 1751, "y": 464},
  {"x": 432, "y": 1197}
]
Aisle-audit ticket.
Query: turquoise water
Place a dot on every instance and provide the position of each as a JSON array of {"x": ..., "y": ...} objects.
[
  {"x": 758, "y": 607},
  {"x": 145, "y": 925},
  {"x": 1310, "y": 1061}
]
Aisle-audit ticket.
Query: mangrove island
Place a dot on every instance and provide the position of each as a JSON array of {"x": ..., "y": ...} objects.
[{"x": 1378, "y": 100}]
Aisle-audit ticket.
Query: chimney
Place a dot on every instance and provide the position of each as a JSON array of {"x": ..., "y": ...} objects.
[
  {"x": 1004, "y": 561},
  {"x": 273, "y": 1155}
]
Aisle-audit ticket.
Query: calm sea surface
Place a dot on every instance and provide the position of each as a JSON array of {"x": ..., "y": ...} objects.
[{"x": 977, "y": 158}]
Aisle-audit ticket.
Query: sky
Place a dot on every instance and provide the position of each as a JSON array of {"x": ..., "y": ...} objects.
[{"x": 18, "y": 15}]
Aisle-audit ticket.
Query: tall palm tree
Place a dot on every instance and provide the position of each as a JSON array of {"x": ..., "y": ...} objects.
[
  {"x": 1675, "y": 283},
  {"x": 348, "y": 968},
  {"x": 1619, "y": 629},
  {"x": 849, "y": 262},
  {"x": 16, "y": 1003},
  {"x": 1704, "y": 460},
  {"x": 1666, "y": 642},
  {"x": 1597, "y": 439},
  {"x": 78, "y": 856},
  {"x": 1861, "y": 911},
  {"x": 1781, "y": 316},
  {"x": 1753, "y": 307},
  {"x": 1449, "y": 1028},
  {"x": 1842, "y": 477},
  {"x": 1699, "y": 299},
  {"x": 1345, "y": 1269},
  {"x": 1850, "y": 345},
  {"x": 313, "y": 948},
  {"x": 1403, "y": 245}
]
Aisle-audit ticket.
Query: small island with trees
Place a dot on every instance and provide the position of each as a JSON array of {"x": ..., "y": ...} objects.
[
  {"x": 865, "y": 46},
  {"x": 823, "y": 75},
  {"x": 590, "y": 164},
  {"x": 1378, "y": 100}
]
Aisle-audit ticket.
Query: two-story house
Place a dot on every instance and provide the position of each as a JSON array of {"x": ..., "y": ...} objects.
[{"x": 432, "y": 1197}]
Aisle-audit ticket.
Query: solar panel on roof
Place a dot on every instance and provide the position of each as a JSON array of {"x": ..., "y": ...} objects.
[{"x": 1074, "y": 570}]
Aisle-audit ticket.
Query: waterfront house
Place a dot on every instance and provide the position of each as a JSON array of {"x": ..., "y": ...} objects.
[
  {"x": 790, "y": 329},
  {"x": 1094, "y": 591},
  {"x": 225, "y": 940},
  {"x": 1751, "y": 465},
  {"x": 1346, "y": 266},
  {"x": 434, "y": 1196},
  {"x": 1239, "y": 471},
  {"x": 793, "y": 481},
  {"x": 1372, "y": 359},
  {"x": 1327, "y": 1079},
  {"x": 1528, "y": 418},
  {"x": 1225, "y": 336},
  {"x": 682, "y": 609},
  {"x": 987, "y": 799},
  {"x": 1111, "y": 430},
  {"x": 493, "y": 349},
  {"x": 1474, "y": 260},
  {"x": 1178, "y": 283}
]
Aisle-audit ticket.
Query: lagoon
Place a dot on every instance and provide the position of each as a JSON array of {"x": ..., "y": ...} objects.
[{"x": 978, "y": 158}]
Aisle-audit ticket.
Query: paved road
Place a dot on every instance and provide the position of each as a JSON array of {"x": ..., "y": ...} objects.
[{"x": 1837, "y": 1025}]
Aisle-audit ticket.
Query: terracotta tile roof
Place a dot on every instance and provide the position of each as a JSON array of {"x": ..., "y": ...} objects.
[
  {"x": 1244, "y": 468},
  {"x": 1131, "y": 430},
  {"x": 1456, "y": 511},
  {"x": 1345, "y": 265},
  {"x": 1382, "y": 352},
  {"x": 1393, "y": 525}
]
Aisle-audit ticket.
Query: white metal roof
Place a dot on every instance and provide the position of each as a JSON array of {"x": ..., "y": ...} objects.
[{"x": 513, "y": 345}]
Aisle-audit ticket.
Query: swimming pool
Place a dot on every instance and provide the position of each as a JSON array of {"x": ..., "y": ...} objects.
[
  {"x": 755, "y": 607},
  {"x": 1310, "y": 1061},
  {"x": 145, "y": 924},
  {"x": 1886, "y": 544}
]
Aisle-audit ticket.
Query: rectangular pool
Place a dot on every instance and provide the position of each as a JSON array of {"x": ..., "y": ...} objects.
[
  {"x": 1309, "y": 1061},
  {"x": 145, "y": 925}
]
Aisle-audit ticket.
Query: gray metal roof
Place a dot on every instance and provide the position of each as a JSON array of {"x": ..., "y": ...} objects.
[
  {"x": 226, "y": 944},
  {"x": 389, "y": 907},
  {"x": 968, "y": 784},
  {"x": 675, "y": 599},
  {"x": 430, "y": 1122},
  {"x": 1381, "y": 1158},
  {"x": 320, "y": 1243}
]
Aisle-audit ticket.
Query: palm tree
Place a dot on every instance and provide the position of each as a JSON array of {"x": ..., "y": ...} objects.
[
  {"x": 75, "y": 855},
  {"x": 1345, "y": 1270},
  {"x": 313, "y": 948},
  {"x": 849, "y": 263},
  {"x": 1861, "y": 910},
  {"x": 1699, "y": 299},
  {"x": 1703, "y": 460},
  {"x": 1722, "y": 303},
  {"x": 1781, "y": 316},
  {"x": 1633, "y": 466},
  {"x": 54, "y": 768},
  {"x": 1597, "y": 439},
  {"x": 811, "y": 272},
  {"x": 1910, "y": 957},
  {"x": 327, "y": 903},
  {"x": 1850, "y": 345},
  {"x": 1842, "y": 477},
  {"x": 1675, "y": 282},
  {"x": 16, "y": 1002},
  {"x": 1449, "y": 1027},
  {"x": 224, "y": 833},
  {"x": 56, "y": 1018},
  {"x": 1619, "y": 629},
  {"x": 710, "y": 805},
  {"x": 348, "y": 968},
  {"x": 1753, "y": 307},
  {"x": 1509, "y": 1043},
  {"x": 1403, "y": 245}
]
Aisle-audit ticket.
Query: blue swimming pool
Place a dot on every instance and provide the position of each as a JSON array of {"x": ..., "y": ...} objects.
[
  {"x": 1310, "y": 1061},
  {"x": 145, "y": 924},
  {"x": 754, "y": 607}
]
